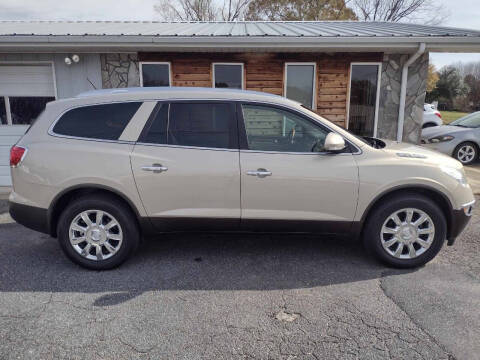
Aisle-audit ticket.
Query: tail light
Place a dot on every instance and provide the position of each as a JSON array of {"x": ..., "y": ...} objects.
[
  {"x": 17, "y": 154},
  {"x": 438, "y": 114}
]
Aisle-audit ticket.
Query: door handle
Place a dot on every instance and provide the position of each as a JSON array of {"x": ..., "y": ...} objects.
[
  {"x": 156, "y": 168},
  {"x": 261, "y": 173}
]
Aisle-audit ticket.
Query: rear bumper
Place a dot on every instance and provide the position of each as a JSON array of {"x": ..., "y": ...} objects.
[
  {"x": 459, "y": 221},
  {"x": 30, "y": 216}
]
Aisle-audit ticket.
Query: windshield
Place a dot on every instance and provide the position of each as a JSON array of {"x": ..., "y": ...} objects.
[{"x": 469, "y": 121}]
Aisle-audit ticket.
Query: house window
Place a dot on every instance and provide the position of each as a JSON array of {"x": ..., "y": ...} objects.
[
  {"x": 22, "y": 110},
  {"x": 364, "y": 97},
  {"x": 3, "y": 112},
  {"x": 300, "y": 83},
  {"x": 228, "y": 76},
  {"x": 155, "y": 74}
]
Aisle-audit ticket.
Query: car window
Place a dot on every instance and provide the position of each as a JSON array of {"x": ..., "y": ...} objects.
[
  {"x": 106, "y": 121},
  {"x": 471, "y": 121},
  {"x": 201, "y": 124},
  {"x": 273, "y": 129},
  {"x": 210, "y": 125},
  {"x": 157, "y": 130}
]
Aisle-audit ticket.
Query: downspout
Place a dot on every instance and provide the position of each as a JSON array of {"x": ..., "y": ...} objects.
[{"x": 403, "y": 89}]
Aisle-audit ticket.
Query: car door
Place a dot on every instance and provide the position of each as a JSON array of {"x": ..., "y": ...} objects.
[
  {"x": 186, "y": 166},
  {"x": 287, "y": 181}
]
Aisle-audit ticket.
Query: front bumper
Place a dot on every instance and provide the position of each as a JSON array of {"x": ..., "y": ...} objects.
[
  {"x": 459, "y": 221},
  {"x": 30, "y": 216}
]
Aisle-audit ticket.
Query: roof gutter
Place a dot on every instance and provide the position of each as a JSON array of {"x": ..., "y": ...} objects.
[{"x": 403, "y": 89}]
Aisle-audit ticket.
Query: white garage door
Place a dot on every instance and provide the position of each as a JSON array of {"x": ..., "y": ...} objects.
[{"x": 24, "y": 91}]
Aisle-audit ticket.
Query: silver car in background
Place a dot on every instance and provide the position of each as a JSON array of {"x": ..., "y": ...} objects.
[
  {"x": 431, "y": 116},
  {"x": 460, "y": 139}
]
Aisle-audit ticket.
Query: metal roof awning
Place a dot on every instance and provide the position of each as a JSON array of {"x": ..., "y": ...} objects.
[{"x": 108, "y": 36}]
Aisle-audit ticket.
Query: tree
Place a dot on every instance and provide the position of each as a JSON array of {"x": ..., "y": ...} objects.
[
  {"x": 449, "y": 86},
  {"x": 201, "y": 10},
  {"x": 424, "y": 11},
  {"x": 432, "y": 77},
  {"x": 288, "y": 10}
]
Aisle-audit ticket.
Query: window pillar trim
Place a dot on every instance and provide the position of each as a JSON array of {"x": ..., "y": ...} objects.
[
  {"x": 168, "y": 63},
  {"x": 229, "y": 63},
  {"x": 377, "y": 100},
  {"x": 314, "y": 80},
  {"x": 8, "y": 110}
]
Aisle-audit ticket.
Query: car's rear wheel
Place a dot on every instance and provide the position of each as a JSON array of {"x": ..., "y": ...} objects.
[
  {"x": 405, "y": 231},
  {"x": 98, "y": 232},
  {"x": 466, "y": 153},
  {"x": 427, "y": 125}
]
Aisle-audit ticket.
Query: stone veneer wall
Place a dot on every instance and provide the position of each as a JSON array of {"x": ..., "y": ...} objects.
[
  {"x": 390, "y": 97},
  {"x": 119, "y": 70}
]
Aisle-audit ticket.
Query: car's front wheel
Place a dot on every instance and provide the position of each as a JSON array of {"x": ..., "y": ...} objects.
[
  {"x": 97, "y": 232},
  {"x": 466, "y": 153},
  {"x": 405, "y": 231}
]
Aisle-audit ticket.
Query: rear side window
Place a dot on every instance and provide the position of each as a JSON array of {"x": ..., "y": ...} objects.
[
  {"x": 105, "y": 122},
  {"x": 209, "y": 125}
]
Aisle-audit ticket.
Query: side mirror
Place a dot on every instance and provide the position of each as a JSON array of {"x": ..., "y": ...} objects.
[{"x": 334, "y": 142}]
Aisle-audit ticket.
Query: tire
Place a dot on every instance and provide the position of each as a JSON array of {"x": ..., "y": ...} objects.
[
  {"x": 427, "y": 125},
  {"x": 466, "y": 153},
  {"x": 375, "y": 235},
  {"x": 117, "y": 237}
]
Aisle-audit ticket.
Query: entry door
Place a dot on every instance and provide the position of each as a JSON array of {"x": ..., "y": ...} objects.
[
  {"x": 288, "y": 182},
  {"x": 186, "y": 166}
]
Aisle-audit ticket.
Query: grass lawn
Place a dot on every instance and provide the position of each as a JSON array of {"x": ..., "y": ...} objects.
[{"x": 449, "y": 116}]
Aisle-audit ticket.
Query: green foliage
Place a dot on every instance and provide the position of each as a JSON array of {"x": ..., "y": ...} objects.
[
  {"x": 448, "y": 87},
  {"x": 288, "y": 10}
]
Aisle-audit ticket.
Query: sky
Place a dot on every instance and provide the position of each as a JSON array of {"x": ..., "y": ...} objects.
[{"x": 462, "y": 13}]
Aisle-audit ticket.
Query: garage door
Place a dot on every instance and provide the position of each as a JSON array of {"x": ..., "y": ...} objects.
[{"x": 24, "y": 92}]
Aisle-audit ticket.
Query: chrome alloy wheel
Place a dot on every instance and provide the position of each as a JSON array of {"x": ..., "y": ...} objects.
[
  {"x": 95, "y": 235},
  {"x": 466, "y": 153},
  {"x": 407, "y": 233}
]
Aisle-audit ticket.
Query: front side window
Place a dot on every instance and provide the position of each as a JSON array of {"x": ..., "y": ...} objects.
[
  {"x": 273, "y": 129},
  {"x": 363, "y": 99},
  {"x": 155, "y": 74},
  {"x": 300, "y": 83},
  {"x": 106, "y": 121},
  {"x": 209, "y": 125},
  {"x": 228, "y": 76}
]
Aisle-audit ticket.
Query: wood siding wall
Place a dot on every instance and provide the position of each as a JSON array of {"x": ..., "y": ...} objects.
[{"x": 265, "y": 72}]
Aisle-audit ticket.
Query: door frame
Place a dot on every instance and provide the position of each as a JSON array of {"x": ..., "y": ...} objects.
[{"x": 377, "y": 100}]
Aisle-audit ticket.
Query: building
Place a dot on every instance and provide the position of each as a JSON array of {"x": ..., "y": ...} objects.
[{"x": 364, "y": 76}]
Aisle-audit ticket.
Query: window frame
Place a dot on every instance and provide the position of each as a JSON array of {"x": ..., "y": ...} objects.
[
  {"x": 228, "y": 63},
  {"x": 233, "y": 127},
  {"x": 314, "y": 80},
  {"x": 350, "y": 148},
  {"x": 7, "y": 97},
  {"x": 377, "y": 100},
  {"x": 168, "y": 63}
]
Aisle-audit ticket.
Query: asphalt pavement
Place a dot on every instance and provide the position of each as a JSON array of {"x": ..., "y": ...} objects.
[{"x": 217, "y": 296}]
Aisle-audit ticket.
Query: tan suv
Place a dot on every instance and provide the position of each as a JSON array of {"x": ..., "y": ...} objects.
[{"x": 104, "y": 169}]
